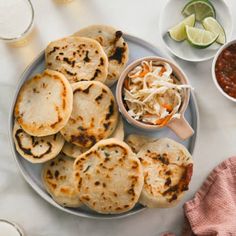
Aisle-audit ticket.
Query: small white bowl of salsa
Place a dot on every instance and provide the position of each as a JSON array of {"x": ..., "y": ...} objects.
[{"x": 224, "y": 70}]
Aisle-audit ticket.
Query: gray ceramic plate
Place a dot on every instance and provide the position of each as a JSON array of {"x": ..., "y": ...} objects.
[{"x": 32, "y": 172}]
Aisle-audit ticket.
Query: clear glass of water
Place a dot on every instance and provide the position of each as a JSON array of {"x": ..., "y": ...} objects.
[
  {"x": 8, "y": 228},
  {"x": 16, "y": 20}
]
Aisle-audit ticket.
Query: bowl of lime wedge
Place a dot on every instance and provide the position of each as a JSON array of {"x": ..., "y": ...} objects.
[{"x": 194, "y": 30}]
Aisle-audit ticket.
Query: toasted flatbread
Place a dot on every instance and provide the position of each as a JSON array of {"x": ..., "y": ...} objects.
[
  {"x": 58, "y": 179},
  {"x": 78, "y": 59},
  {"x": 36, "y": 149},
  {"x": 114, "y": 46},
  {"x": 136, "y": 141},
  {"x": 72, "y": 150},
  {"x": 167, "y": 169},
  {"x": 94, "y": 116},
  {"x": 119, "y": 131},
  {"x": 109, "y": 177},
  {"x": 44, "y": 104}
]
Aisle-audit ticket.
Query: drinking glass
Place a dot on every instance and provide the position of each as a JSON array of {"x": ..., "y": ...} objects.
[
  {"x": 16, "y": 21},
  {"x": 8, "y": 228}
]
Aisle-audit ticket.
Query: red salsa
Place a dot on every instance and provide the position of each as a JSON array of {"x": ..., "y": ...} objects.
[{"x": 225, "y": 70}]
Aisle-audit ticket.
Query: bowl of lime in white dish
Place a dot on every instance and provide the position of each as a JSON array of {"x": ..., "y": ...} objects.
[{"x": 201, "y": 16}]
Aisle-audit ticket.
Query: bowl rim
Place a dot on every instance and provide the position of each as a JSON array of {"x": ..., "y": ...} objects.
[
  {"x": 161, "y": 19},
  {"x": 226, "y": 45},
  {"x": 119, "y": 89}
]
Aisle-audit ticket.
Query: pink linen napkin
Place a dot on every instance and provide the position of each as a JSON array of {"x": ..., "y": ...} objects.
[{"x": 212, "y": 211}]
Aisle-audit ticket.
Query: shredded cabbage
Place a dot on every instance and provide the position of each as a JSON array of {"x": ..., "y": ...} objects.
[{"x": 152, "y": 93}]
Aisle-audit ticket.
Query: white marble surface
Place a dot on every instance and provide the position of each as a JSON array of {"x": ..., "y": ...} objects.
[{"x": 216, "y": 141}]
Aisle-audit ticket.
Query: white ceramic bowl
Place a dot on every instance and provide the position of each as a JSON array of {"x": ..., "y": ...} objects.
[
  {"x": 171, "y": 15},
  {"x": 213, "y": 70}
]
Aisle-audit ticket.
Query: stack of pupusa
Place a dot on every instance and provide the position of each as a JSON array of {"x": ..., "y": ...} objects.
[
  {"x": 97, "y": 52},
  {"x": 69, "y": 101},
  {"x": 71, "y": 87},
  {"x": 110, "y": 178},
  {"x": 42, "y": 109}
]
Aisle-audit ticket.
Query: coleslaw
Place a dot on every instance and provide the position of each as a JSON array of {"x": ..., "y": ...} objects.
[{"x": 152, "y": 94}]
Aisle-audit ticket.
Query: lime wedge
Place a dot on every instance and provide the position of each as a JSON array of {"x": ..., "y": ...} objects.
[
  {"x": 178, "y": 32},
  {"x": 211, "y": 24},
  {"x": 201, "y": 8},
  {"x": 200, "y": 38}
]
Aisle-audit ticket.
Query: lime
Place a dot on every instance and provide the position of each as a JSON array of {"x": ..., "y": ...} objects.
[
  {"x": 178, "y": 32},
  {"x": 200, "y": 38},
  {"x": 211, "y": 24},
  {"x": 201, "y": 8}
]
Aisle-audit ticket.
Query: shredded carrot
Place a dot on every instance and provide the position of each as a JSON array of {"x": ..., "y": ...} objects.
[
  {"x": 126, "y": 84},
  {"x": 163, "y": 70},
  {"x": 168, "y": 107},
  {"x": 148, "y": 115},
  {"x": 160, "y": 122},
  {"x": 145, "y": 70},
  {"x": 163, "y": 121}
]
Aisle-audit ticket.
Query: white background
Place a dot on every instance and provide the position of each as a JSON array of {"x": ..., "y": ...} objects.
[{"x": 216, "y": 141}]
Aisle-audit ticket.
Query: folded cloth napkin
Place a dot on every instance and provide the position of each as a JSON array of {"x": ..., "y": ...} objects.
[{"x": 212, "y": 211}]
